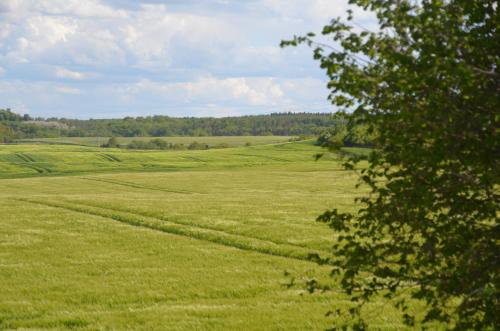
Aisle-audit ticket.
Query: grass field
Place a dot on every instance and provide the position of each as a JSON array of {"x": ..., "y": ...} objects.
[
  {"x": 111, "y": 239},
  {"x": 232, "y": 141}
]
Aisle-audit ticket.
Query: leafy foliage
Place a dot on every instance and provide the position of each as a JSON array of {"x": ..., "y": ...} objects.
[
  {"x": 6, "y": 134},
  {"x": 348, "y": 131},
  {"x": 112, "y": 143},
  {"x": 9, "y": 115},
  {"x": 428, "y": 81}
]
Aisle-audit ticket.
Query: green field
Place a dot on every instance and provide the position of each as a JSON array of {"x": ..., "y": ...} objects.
[
  {"x": 232, "y": 141},
  {"x": 111, "y": 239}
]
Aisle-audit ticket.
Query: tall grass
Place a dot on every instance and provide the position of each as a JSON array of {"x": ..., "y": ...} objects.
[{"x": 149, "y": 240}]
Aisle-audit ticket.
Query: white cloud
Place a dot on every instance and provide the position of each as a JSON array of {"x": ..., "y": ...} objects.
[
  {"x": 152, "y": 36},
  {"x": 9, "y": 6},
  {"x": 68, "y": 90},
  {"x": 78, "y": 8},
  {"x": 87, "y": 8},
  {"x": 196, "y": 55},
  {"x": 5, "y": 30},
  {"x": 206, "y": 96},
  {"x": 68, "y": 74},
  {"x": 315, "y": 11},
  {"x": 325, "y": 10},
  {"x": 155, "y": 36},
  {"x": 90, "y": 33},
  {"x": 242, "y": 90},
  {"x": 37, "y": 36},
  {"x": 50, "y": 30}
]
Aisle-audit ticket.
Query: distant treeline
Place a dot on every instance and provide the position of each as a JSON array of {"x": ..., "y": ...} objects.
[
  {"x": 14, "y": 126},
  {"x": 282, "y": 124}
]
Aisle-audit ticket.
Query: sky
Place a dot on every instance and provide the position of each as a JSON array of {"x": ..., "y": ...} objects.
[{"x": 116, "y": 58}]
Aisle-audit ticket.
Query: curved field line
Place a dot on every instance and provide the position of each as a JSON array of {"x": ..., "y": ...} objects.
[
  {"x": 105, "y": 157},
  {"x": 109, "y": 157},
  {"x": 37, "y": 168},
  {"x": 114, "y": 158},
  {"x": 133, "y": 185},
  {"x": 29, "y": 162},
  {"x": 24, "y": 157},
  {"x": 196, "y": 225},
  {"x": 217, "y": 237},
  {"x": 29, "y": 158}
]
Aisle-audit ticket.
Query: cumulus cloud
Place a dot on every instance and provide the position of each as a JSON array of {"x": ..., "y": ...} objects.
[
  {"x": 150, "y": 56},
  {"x": 244, "y": 91},
  {"x": 94, "y": 34},
  {"x": 155, "y": 36},
  {"x": 68, "y": 74},
  {"x": 78, "y": 8}
]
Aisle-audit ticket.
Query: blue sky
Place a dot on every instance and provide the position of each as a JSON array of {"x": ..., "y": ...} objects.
[{"x": 115, "y": 58}]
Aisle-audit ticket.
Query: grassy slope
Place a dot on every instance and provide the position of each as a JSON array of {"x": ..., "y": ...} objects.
[
  {"x": 211, "y": 141},
  {"x": 30, "y": 160},
  {"x": 199, "y": 243}
]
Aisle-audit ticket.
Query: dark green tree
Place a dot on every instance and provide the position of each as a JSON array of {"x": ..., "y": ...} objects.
[
  {"x": 197, "y": 145},
  {"x": 334, "y": 137},
  {"x": 112, "y": 143},
  {"x": 428, "y": 81},
  {"x": 6, "y": 135}
]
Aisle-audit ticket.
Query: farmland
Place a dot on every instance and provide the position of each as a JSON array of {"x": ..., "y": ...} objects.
[
  {"x": 232, "y": 141},
  {"x": 98, "y": 239}
]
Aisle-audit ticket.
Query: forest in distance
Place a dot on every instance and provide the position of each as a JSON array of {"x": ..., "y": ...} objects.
[{"x": 328, "y": 126}]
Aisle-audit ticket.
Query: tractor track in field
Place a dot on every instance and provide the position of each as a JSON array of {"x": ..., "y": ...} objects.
[
  {"x": 213, "y": 236},
  {"x": 24, "y": 157},
  {"x": 137, "y": 186},
  {"x": 37, "y": 168},
  {"x": 187, "y": 223},
  {"x": 27, "y": 161},
  {"x": 109, "y": 157}
]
